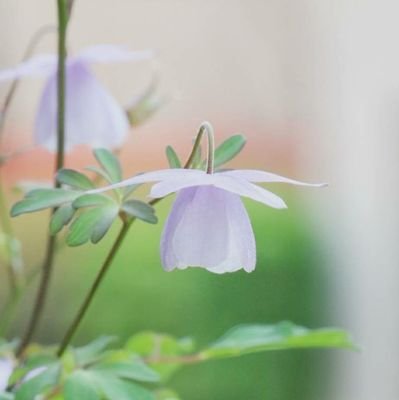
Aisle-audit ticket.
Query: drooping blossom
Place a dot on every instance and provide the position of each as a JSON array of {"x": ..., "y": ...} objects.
[
  {"x": 93, "y": 116},
  {"x": 209, "y": 226}
]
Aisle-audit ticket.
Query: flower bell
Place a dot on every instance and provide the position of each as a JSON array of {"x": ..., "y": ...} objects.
[
  {"x": 93, "y": 116},
  {"x": 209, "y": 226}
]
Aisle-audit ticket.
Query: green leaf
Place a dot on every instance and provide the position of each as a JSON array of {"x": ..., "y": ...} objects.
[
  {"x": 99, "y": 172},
  {"x": 40, "y": 199},
  {"x": 154, "y": 347},
  {"x": 114, "y": 388},
  {"x": 81, "y": 386},
  {"x": 61, "y": 217},
  {"x": 247, "y": 339},
  {"x": 141, "y": 210},
  {"x": 39, "y": 383},
  {"x": 166, "y": 394},
  {"x": 91, "y": 224},
  {"x": 134, "y": 369},
  {"x": 129, "y": 190},
  {"x": 110, "y": 163},
  {"x": 153, "y": 344},
  {"x": 74, "y": 179},
  {"x": 93, "y": 199},
  {"x": 172, "y": 157},
  {"x": 93, "y": 351},
  {"x": 229, "y": 149},
  {"x": 6, "y": 396}
]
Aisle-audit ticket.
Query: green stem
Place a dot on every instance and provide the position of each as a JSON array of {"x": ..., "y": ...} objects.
[
  {"x": 7, "y": 228},
  {"x": 51, "y": 244},
  {"x": 205, "y": 127},
  {"x": 89, "y": 297},
  {"x": 14, "y": 256}
]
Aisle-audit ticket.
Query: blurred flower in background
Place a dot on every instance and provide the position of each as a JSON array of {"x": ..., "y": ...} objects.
[{"x": 93, "y": 116}]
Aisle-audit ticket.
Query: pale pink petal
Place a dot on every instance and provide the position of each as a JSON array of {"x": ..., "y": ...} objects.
[
  {"x": 112, "y": 53},
  {"x": 93, "y": 117},
  {"x": 253, "y": 175},
  {"x": 246, "y": 189},
  {"x": 208, "y": 228},
  {"x": 174, "y": 174},
  {"x": 37, "y": 66}
]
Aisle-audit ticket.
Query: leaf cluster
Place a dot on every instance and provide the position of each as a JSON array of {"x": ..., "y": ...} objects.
[
  {"x": 88, "y": 216},
  {"x": 142, "y": 366}
]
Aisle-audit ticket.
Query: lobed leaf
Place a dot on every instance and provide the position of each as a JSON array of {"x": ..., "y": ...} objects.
[
  {"x": 40, "y": 199},
  {"x": 229, "y": 149},
  {"x": 92, "y": 351},
  {"x": 99, "y": 172},
  {"x": 81, "y": 386},
  {"x": 155, "y": 347},
  {"x": 110, "y": 163},
  {"x": 92, "y": 224},
  {"x": 247, "y": 339},
  {"x": 134, "y": 369},
  {"x": 141, "y": 210},
  {"x": 92, "y": 200},
  {"x": 60, "y": 218},
  {"x": 114, "y": 388},
  {"x": 39, "y": 383},
  {"x": 173, "y": 158},
  {"x": 74, "y": 179}
]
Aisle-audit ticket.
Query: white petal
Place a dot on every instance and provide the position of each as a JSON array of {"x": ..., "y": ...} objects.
[
  {"x": 93, "y": 117},
  {"x": 208, "y": 228},
  {"x": 168, "y": 186},
  {"x": 112, "y": 53},
  {"x": 36, "y": 66},
  {"x": 154, "y": 176},
  {"x": 253, "y": 175},
  {"x": 246, "y": 189},
  {"x": 6, "y": 368}
]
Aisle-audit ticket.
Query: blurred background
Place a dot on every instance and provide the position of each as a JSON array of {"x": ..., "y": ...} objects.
[{"x": 314, "y": 85}]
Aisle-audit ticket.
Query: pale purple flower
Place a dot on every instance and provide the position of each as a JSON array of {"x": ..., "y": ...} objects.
[
  {"x": 208, "y": 226},
  {"x": 93, "y": 116},
  {"x": 6, "y": 368}
]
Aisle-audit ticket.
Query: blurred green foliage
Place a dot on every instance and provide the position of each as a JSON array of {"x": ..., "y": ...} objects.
[{"x": 289, "y": 283}]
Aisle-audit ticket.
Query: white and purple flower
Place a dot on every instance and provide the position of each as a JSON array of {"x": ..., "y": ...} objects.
[
  {"x": 93, "y": 116},
  {"x": 208, "y": 226}
]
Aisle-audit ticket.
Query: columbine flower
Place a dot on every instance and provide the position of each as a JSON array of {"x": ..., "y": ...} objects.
[
  {"x": 208, "y": 226},
  {"x": 93, "y": 116}
]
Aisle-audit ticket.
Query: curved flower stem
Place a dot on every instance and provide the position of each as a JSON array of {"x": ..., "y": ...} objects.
[
  {"x": 205, "y": 127},
  {"x": 51, "y": 244}
]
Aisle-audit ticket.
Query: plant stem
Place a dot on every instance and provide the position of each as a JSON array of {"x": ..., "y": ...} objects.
[
  {"x": 205, "y": 127},
  {"x": 118, "y": 242},
  {"x": 48, "y": 262},
  {"x": 89, "y": 297},
  {"x": 5, "y": 222}
]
